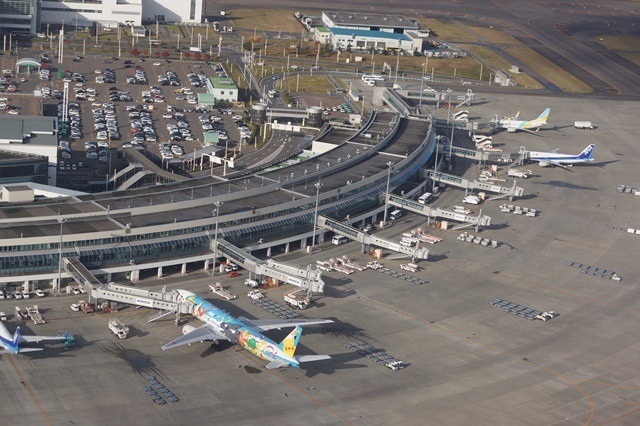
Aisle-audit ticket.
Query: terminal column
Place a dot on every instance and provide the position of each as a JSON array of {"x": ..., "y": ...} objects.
[
  {"x": 184, "y": 269},
  {"x": 286, "y": 248},
  {"x": 206, "y": 265},
  {"x": 134, "y": 276},
  {"x": 160, "y": 272}
]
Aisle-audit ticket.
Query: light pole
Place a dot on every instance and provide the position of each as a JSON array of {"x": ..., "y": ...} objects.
[
  {"x": 61, "y": 221},
  {"x": 449, "y": 91},
  {"x": 421, "y": 87},
  {"x": 386, "y": 197},
  {"x": 318, "y": 185},
  {"x": 435, "y": 166},
  {"x": 215, "y": 237}
]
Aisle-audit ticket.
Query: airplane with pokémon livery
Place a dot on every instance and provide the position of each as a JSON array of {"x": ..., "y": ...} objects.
[
  {"x": 246, "y": 333},
  {"x": 11, "y": 343},
  {"x": 512, "y": 124},
  {"x": 546, "y": 159}
]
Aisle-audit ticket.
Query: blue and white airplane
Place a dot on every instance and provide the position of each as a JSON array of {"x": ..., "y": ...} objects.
[
  {"x": 11, "y": 343},
  {"x": 512, "y": 124},
  {"x": 220, "y": 325},
  {"x": 546, "y": 159}
]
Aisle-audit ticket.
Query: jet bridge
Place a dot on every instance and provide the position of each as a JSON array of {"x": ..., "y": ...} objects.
[
  {"x": 466, "y": 184},
  {"x": 364, "y": 238},
  {"x": 304, "y": 278},
  {"x": 424, "y": 210},
  {"x": 167, "y": 302}
]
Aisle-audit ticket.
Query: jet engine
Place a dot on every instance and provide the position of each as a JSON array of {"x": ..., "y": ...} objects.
[{"x": 187, "y": 329}]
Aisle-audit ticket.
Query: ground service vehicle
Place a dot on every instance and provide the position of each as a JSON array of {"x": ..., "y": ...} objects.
[
  {"x": 297, "y": 298},
  {"x": 118, "y": 328},
  {"x": 251, "y": 283},
  {"x": 255, "y": 295},
  {"x": 411, "y": 267},
  {"x": 395, "y": 214},
  {"x": 524, "y": 174},
  {"x": 339, "y": 239},
  {"x": 471, "y": 199},
  {"x": 583, "y": 125},
  {"x": 425, "y": 198}
]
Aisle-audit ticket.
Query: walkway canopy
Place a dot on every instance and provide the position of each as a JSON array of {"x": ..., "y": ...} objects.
[{"x": 27, "y": 62}]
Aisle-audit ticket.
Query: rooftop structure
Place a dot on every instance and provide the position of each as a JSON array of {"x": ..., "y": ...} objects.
[{"x": 368, "y": 21}]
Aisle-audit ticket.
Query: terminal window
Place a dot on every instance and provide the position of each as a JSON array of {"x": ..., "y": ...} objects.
[{"x": 192, "y": 12}]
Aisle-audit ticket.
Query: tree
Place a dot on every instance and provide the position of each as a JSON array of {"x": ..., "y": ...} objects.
[
  {"x": 135, "y": 52},
  {"x": 197, "y": 55},
  {"x": 207, "y": 56},
  {"x": 186, "y": 55},
  {"x": 145, "y": 52},
  {"x": 165, "y": 54}
]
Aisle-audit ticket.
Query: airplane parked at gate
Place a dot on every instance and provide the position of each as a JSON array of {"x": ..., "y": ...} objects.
[
  {"x": 11, "y": 343},
  {"x": 512, "y": 124},
  {"x": 546, "y": 159},
  {"x": 220, "y": 325}
]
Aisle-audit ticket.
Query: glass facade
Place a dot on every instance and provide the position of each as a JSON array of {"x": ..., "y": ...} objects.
[{"x": 25, "y": 170}]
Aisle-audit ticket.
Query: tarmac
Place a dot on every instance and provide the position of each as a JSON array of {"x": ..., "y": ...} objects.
[{"x": 467, "y": 361}]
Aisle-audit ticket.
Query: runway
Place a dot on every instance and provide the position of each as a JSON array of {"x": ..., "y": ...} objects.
[{"x": 550, "y": 28}]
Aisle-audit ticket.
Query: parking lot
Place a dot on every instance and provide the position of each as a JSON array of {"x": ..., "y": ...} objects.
[{"x": 122, "y": 102}]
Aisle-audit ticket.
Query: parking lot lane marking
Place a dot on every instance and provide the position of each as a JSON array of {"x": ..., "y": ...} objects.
[
  {"x": 615, "y": 419},
  {"x": 30, "y": 391},
  {"x": 462, "y": 336}
]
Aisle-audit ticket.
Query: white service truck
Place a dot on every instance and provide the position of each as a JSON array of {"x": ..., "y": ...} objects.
[
  {"x": 118, "y": 328},
  {"x": 255, "y": 295},
  {"x": 583, "y": 125},
  {"x": 251, "y": 283},
  {"x": 471, "y": 199},
  {"x": 297, "y": 298},
  {"x": 411, "y": 267},
  {"x": 524, "y": 174}
]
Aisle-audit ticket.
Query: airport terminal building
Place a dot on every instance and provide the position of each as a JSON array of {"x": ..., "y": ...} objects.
[
  {"x": 29, "y": 16},
  {"x": 165, "y": 228}
]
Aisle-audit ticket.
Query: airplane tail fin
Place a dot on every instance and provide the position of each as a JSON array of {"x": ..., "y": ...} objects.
[
  {"x": 545, "y": 114},
  {"x": 290, "y": 343},
  {"x": 588, "y": 152},
  {"x": 16, "y": 338}
]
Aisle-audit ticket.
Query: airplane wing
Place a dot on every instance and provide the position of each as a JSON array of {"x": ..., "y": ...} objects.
[
  {"x": 264, "y": 325},
  {"x": 311, "y": 358},
  {"x": 197, "y": 335},
  {"x": 21, "y": 350},
  {"x": 277, "y": 364},
  {"x": 34, "y": 339}
]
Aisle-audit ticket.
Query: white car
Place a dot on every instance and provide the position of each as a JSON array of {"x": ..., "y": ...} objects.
[
  {"x": 167, "y": 116},
  {"x": 75, "y": 307},
  {"x": 157, "y": 64},
  {"x": 40, "y": 293},
  {"x": 13, "y": 112},
  {"x": 25, "y": 294}
]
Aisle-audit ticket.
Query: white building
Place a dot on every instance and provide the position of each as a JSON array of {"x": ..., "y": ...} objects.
[
  {"x": 31, "y": 135},
  {"x": 370, "y": 22},
  {"x": 173, "y": 11},
  {"x": 107, "y": 13},
  {"x": 364, "y": 40},
  {"x": 29, "y": 15}
]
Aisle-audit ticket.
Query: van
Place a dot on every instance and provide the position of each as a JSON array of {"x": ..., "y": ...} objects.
[
  {"x": 339, "y": 239},
  {"x": 425, "y": 198},
  {"x": 251, "y": 283},
  {"x": 406, "y": 242},
  {"x": 395, "y": 214},
  {"x": 471, "y": 199}
]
